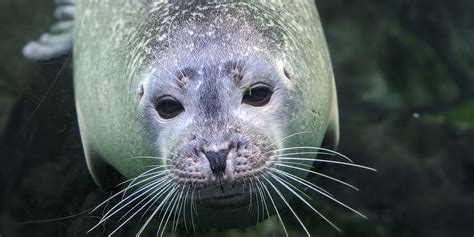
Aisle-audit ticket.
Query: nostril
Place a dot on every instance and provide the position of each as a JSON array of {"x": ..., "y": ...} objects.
[
  {"x": 196, "y": 151},
  {"x": 234, "y": 145},
  {"x": 217, "y": 161}
]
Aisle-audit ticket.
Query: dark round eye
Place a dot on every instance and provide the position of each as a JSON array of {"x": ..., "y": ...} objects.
[
  {"x": 168, "y": 107},
  {"x": 258, "y": 95}
]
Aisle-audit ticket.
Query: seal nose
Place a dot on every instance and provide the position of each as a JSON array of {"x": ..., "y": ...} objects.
[{"x": 217, "y": 161}]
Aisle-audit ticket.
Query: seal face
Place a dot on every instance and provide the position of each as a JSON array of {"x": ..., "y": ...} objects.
[
  {"x": 213, "y": 122},
  {"x": 212, "y": 95},
  {"x": 216, "y": 108}
]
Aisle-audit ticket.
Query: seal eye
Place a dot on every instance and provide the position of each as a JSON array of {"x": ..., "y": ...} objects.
[
  {"x": 168, "y": 107},
  {"x": 258, "y": 95}
]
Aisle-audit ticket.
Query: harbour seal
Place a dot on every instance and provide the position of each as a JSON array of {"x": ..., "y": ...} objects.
[{"x": 214, "y": 111}]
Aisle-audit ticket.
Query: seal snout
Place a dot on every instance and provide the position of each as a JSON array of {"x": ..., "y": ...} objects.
[
  {"x": 217, "y": 162},
  {"x": 226, "y": 158}
]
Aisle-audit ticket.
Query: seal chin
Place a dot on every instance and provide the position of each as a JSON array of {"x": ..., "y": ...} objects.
[
  {"x": 227, "y": 201},
  {"x": 228, "y": 195}
]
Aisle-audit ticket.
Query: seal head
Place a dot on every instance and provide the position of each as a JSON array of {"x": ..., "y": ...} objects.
[{"x": 213, "y": 93}]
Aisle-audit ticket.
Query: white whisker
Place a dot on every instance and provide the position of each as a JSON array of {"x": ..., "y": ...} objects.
[
  {"x": 283, "y": 163},
  {"x": 300, "y": 180},
  {"x": 316, "y": 186},
  {"x": 152, "y": 200},
  {"x": 312, "y": 148},
  {"x": 262, "y": 195},
  {"x": 326, "y": 161},
  {"x": 169, "y": 204},
  {"x": 154, "y": 189},
  {"x": 304, "y": 201},
  {"x": 282, "y": 197},
  {"x": 306, "y": 153},
  {"x": 180, "y": 206},
  {"x": 184, "y": 208},
  {"x": 153, "y": 175},
  {"x": 274, "y": 206},
  {"x": 292, "y": 186},
  {"x": 119, "y": 207},
  {"x": 192, "y": 202},
  {"x": 173, "y": 211},
  {"x": 173, "y": 188},
  {"x": 144, "y": 174},
  {"x": 113, "y": 196}
]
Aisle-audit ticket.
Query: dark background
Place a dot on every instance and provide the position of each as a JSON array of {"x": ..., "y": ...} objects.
[{"x": 405, "y": 77}]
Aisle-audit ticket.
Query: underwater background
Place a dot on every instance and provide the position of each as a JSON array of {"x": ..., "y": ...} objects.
[{"x": 405, "y": 78}]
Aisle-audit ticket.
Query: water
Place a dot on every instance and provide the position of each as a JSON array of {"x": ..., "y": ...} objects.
[{"x": 405, "y": 78}]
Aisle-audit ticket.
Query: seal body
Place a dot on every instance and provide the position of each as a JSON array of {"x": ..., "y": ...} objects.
[{"x": 213, "y": 91}]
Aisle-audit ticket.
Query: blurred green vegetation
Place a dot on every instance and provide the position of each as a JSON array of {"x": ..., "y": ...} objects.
[{"x": 462, "y": 116}]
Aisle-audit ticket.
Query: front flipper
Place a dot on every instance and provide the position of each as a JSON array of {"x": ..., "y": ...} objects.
[{"x": 59, "y": 40}]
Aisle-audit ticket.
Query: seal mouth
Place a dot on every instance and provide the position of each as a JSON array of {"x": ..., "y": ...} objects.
[{"x": 230, "y": 201}]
